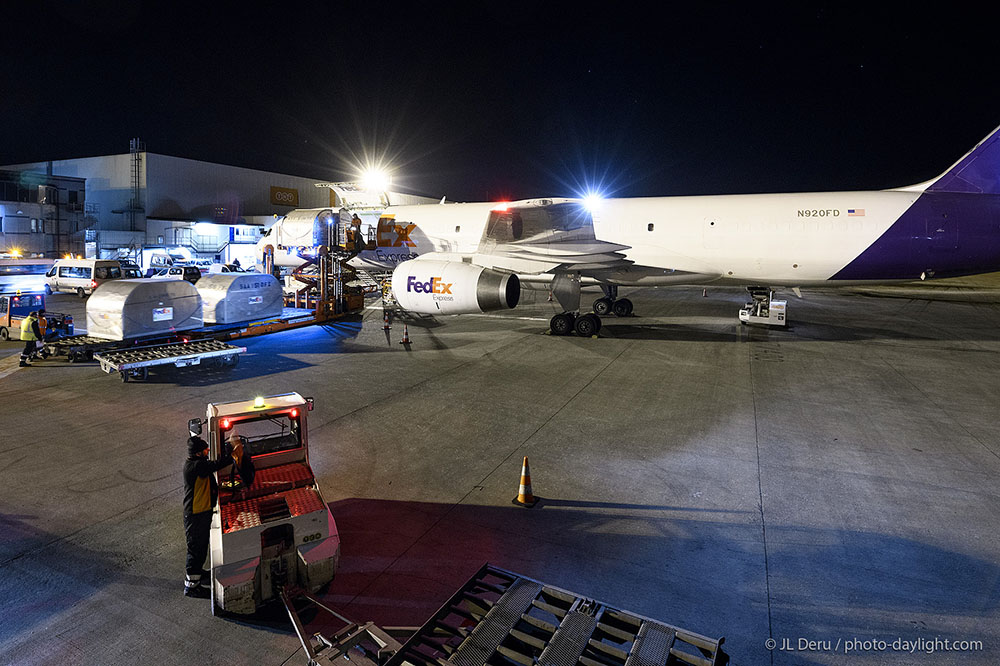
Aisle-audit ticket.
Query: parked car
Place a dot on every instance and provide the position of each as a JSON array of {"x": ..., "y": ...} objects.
[
  {"x": 225, "y": 268},
  {"x": 130, "y": 270},
  {"x": 189, "y": 273},
  {"x": 82, "y": 276},
  {"x": 203, "y": 265}
]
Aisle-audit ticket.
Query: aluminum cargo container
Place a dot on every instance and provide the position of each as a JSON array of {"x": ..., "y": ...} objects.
[
  {"x": 233, "y": 297},
  {"x": 129, "y": 309}
]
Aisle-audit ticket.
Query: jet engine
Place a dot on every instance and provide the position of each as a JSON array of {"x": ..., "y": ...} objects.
[{"x": 445, "y": 287}]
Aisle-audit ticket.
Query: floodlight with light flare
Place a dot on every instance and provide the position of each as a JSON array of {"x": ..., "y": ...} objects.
[
  {"x": 375, "y": 180},
  {"x": 592, "y": 201}
]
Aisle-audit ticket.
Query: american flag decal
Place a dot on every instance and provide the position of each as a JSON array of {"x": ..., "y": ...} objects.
[{"x": 855, "y": 212}]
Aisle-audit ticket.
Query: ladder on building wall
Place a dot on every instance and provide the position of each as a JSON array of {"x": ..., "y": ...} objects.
[{"x": 137, "y": 149}]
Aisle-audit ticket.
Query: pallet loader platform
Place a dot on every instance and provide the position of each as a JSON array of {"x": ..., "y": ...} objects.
[{"x": 501, "y": 618}]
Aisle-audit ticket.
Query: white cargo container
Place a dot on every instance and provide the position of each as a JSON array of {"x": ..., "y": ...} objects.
[
  {"x": 130, "y": 309},
  {"x": 234, "y": 297}
]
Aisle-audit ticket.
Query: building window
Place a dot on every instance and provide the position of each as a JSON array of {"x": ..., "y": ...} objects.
[{"x": 34, "y": 226}]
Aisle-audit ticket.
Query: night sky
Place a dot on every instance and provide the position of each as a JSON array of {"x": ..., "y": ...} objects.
[{"x": 498, "y": 100}]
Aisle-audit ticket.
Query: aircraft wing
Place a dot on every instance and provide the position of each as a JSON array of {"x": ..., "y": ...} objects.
[
  {"x": 545, "y": 236},
  {"x": 531, "y": 258}
]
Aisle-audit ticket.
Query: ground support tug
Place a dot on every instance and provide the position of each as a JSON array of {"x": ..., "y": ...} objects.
[
  {"x": 277, "y": 531},
  {"x": 763, "y": 309},
  {"x": 15, "y": 308}
]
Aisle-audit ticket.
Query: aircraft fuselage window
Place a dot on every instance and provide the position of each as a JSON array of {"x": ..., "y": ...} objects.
[{"x": 649, "y": 227}]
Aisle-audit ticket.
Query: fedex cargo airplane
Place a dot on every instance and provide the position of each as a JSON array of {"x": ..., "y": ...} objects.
[{"x": 474, "y": 257}]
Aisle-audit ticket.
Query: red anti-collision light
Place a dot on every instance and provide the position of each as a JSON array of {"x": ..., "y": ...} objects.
[
  {"x": 225, "y": 424},
  {"x": 295, "y": 413}
]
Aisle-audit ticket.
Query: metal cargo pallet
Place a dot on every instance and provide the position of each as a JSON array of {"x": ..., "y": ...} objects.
[
  {"x": 136, "y": 361},
  {"x": 79, "y": 347},
  {"x": 500, "y": 618}
]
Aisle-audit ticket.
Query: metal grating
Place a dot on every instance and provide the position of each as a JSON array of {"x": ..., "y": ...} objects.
[
  {"x": 652, "y": 645},
  {"x": 499, "y": 618},
  {"x": 567, "y": 643},
  {"x": 157, "y": 352}
]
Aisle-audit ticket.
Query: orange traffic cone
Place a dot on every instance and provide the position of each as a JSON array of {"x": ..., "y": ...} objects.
[
  {"x": 406, "y": 336},
  {"x": 524, "y": 496},
  {"x": 385, "y": 319}
]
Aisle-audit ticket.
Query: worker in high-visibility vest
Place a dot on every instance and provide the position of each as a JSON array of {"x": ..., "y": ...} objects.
[
  {"x": 31, "y": 335},
  {"x": 201, "y": 492}
]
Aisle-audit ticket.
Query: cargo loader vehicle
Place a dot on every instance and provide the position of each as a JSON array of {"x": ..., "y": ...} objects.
[{"x": 277, "y": 531}]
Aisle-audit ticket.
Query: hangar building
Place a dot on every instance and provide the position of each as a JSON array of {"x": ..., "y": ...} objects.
[{"x": 140, "y": 202}]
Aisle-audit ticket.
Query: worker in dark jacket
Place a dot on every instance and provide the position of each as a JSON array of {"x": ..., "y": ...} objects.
[
  {"x": 200, "y": 495},
  {"x": 31, "y": 334}
]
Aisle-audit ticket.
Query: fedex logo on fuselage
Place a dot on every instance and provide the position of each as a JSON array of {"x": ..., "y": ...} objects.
[{"x": 434, "y": 286}]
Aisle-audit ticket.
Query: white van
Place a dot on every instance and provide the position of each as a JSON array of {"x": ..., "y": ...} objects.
[{"x": 82, "y": 276}]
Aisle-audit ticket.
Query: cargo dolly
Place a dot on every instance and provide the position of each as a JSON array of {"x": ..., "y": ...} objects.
[
  {"x": 83, "y": 347},
  {"x": 500, "y": 618},
  {"x": 135, "y": 362}
]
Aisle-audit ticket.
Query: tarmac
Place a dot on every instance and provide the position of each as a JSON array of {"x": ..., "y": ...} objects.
[{"x": 834, "y": 483}]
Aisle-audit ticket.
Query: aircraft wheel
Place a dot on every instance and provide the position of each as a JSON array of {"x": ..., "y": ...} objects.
[
  {"x": 623, "y": 307},
  {"x": 561, "y": 324},
  {"x": 603, "y": 306},
  {"x": 587, "y": 325}
]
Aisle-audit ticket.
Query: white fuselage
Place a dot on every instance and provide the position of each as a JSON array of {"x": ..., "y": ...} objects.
[
  {"x": 775, "y": 239},
  {"x": 450, "y": 229}
]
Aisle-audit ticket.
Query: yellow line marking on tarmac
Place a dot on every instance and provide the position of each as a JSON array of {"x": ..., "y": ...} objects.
[{"x": 9, "y": 365}]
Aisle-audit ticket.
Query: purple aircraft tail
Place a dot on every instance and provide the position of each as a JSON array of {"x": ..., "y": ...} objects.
[{"x": 977, "y": 172}]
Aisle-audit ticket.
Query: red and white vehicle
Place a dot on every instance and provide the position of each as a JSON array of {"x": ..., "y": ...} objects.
[{"x": 278, "y": 531}]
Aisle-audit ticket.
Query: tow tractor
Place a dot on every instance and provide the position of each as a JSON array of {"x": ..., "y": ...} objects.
[
  {"x": 15, "y": 307},
  {"x": 762, "y": 309},
  {"x": 276, "y": 532}
]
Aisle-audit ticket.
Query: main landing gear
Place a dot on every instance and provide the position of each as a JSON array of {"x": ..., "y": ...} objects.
[
  {"x": 568, "y": 322},
  {"x": 611, "y": 304},
  {"x": 621, "y": 307}
]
